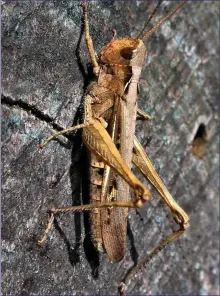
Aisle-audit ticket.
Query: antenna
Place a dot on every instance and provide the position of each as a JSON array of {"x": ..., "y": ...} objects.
[
  {"x": 152, "y": 14},
  {"x": 156, "y": 27}
]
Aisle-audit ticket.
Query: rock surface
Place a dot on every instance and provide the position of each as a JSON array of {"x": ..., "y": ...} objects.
[{"x": 44, "y": 77}]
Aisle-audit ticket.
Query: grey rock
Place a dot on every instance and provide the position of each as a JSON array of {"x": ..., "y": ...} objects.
[{"x": 44, "y": 66}]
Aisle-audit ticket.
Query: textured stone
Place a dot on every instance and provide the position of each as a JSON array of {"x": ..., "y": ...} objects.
[{"x": 43, "y": 79}]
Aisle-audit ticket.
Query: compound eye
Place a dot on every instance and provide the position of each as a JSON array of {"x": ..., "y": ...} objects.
[{"x": 127, "y": 53}]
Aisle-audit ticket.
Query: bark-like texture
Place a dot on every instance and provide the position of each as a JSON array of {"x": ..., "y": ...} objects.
[{"x": 43, "y": 83}]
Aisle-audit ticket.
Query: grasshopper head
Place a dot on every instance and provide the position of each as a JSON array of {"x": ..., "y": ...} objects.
[{"x": 123, "y": 52}]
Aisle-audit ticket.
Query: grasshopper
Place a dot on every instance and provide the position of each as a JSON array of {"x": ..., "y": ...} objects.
[{"x": 108, "y": 132}]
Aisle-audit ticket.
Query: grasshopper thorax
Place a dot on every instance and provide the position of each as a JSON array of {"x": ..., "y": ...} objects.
[{"x": 118, "y": 60}]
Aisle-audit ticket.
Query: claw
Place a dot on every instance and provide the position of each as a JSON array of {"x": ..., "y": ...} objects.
[{"x": 121, "y": 289}]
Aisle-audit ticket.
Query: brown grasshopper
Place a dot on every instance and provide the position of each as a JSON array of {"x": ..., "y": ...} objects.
[{"x": 108, "y": 132}]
